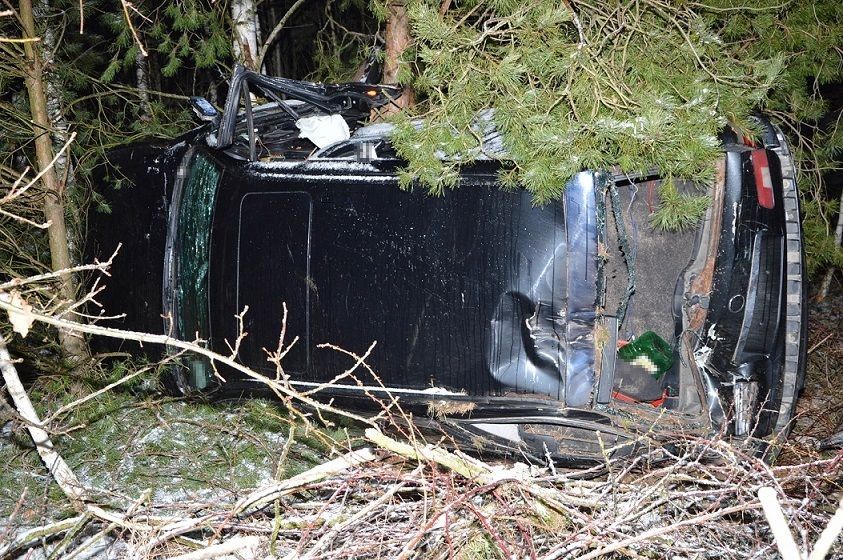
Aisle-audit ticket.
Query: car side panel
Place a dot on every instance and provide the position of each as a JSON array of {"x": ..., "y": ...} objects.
[{"x": 466, "y": 292}]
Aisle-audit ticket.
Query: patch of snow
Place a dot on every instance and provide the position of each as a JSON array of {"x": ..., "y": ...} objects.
[
  {"x": 313, "y": 176},
  {"x": 702, "y": 355},
  {"x": 315, "y": 165},
  {"x": 374, "y": 131},
  {"x": 712, "y": 335},
  {"x": 155, "y": 435}
]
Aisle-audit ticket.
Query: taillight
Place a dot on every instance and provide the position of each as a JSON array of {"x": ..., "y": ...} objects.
[{"x": 763, "y": 180}]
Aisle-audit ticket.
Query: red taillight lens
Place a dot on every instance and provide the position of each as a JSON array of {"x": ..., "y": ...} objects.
[{"x": 763, "y": 179}]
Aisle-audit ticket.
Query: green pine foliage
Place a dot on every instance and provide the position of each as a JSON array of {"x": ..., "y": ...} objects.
[
  {"x": 620, "y": 85},
  {"x": 810, "y": 35},
  {"x": 605, "y": 85},
  {"x": 338, "y": 53},
  {"x": 193, "y": 32}
]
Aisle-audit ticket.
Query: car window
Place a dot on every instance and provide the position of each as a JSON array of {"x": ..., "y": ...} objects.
[
  {"x": 191, "y": 258},
  {"x": 273, "y": 271}
]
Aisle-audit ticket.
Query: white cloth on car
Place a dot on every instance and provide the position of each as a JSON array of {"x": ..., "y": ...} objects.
[{"x": 323, "y": 130}]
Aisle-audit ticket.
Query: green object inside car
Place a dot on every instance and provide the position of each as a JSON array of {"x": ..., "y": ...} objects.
[{"x": 649, "y": 351}]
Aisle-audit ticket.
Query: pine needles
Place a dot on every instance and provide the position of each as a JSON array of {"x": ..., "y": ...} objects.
[{"x": 577, "y": 85}]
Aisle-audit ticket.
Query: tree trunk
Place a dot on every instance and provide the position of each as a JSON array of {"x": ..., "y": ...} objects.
[
  {"x": 142, "y": 76},
  {"x": 397, "y": 40},
  {"x": 72, "y": 343},
  {"x": 54, "y": 462},
  {"x": 244, "y": 18},
  {"x": 59, "y": 126}
]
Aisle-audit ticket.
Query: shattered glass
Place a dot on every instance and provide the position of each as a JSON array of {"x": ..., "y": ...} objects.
[{"x": 192, "y": 250}]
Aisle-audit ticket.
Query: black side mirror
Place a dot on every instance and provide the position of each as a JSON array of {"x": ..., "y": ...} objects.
[{"x": 203, "y": 109}]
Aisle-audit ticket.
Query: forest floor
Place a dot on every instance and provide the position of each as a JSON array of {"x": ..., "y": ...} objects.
[
  {"x": 820, "y": 407},
  {"x": 247, "y": 481}
]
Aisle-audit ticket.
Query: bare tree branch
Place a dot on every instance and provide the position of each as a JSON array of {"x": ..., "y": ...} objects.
[{"x": 274, "y": 33}]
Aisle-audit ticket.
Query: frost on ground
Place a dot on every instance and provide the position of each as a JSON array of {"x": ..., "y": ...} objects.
[
  {"x": 397, "y": 500},
  {"x": 122, "y": 446},
  {"x": 170, "y": 478}
]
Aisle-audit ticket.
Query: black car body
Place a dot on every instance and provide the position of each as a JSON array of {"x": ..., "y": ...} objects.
[{"x": 499, "y": 318}]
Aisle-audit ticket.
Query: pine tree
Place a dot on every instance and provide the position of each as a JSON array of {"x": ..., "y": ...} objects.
[{"x": 612, "y": 85}]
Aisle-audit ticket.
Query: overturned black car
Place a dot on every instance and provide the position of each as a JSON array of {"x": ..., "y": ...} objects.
[{"x": 562, "y": 330}]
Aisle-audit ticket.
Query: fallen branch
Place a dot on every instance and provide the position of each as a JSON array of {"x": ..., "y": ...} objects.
[
  {"x": 54, "y": 462},
  {"x": 433, "y": 454},
  {"x": 829, "y": 535},
  {"x": 479, "y": 472},
  {"x": 279, "y": 388},
  {"x": 245, "y": 546},
  {"x": 29, "y": 537},
  {"x": 778, "y": 524},
  {"x": 269, "y": 494},
  {"x": 261, "y": 497},
  {"x": 356, "y": 518}
]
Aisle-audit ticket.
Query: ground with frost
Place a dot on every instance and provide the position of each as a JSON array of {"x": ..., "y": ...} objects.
[{"x": 187, "y": 476}]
